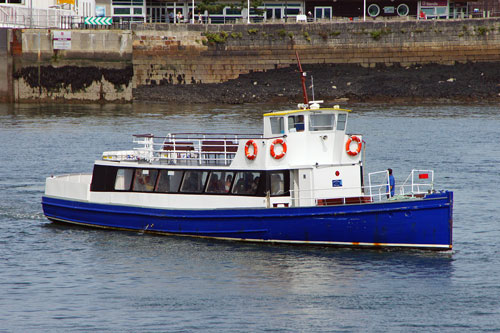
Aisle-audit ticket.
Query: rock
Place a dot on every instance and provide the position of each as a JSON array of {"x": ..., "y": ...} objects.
[{"x": 452, "y": 79}]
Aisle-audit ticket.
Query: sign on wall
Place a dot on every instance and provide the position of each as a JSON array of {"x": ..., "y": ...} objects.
[
  {"x": 94, "y": 20},
  {"x": 61, "y": 39}
]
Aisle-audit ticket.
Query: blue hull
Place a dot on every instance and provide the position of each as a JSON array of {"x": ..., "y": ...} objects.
[{"x": 422, "y": 223}]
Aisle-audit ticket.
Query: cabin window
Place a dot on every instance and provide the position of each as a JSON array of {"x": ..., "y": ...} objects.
[
  {"x": 103, "y": 178},
  {"x": 296, "y": 123},
  {"x": 194, "y": 181},
  {"x": 246, "y": 183},
  {"x": 219, "y": 182},
  {"x": 321, "y": 122},
  {"x": 169, "y": 180},
  {"x": 341, "y": 120},
  {"x": 144, "y": 180},
  {"x": 277, "y": 183},
  {"x": 123, "y": 179},
  {"x": 277, "y": 125}
]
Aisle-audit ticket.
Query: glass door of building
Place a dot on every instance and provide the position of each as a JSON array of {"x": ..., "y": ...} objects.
[{"x": 322, "y": 13}]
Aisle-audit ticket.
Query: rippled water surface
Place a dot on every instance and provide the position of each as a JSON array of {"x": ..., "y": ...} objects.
[{"x": 58, "y": 278}]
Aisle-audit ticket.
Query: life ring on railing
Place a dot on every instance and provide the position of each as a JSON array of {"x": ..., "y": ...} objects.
[
  {"x": 251, "y": 155},
  {"x": 348, "y": 145},
  {"x": 283, "y": 150}
]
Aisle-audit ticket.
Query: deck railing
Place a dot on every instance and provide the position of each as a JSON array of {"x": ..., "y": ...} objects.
[
  {"x": 184, "y": 149},
  {"x": 417, "y": 184}
]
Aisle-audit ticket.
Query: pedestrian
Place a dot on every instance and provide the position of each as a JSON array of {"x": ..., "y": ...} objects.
[{"x": 391, "y": 187}]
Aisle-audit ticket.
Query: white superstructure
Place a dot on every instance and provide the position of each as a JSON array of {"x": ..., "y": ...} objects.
[{"x": 303, "y": 158}]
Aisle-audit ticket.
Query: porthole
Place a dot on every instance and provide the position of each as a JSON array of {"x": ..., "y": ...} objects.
[
  {"x": 403, "y": 9},
  {"x": 373, "y": 10}
]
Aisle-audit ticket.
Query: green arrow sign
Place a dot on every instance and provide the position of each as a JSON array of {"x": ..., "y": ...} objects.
[{"x": 94, "y": 20}]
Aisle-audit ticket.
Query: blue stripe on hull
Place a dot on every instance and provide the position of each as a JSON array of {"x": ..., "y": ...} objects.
[{"x": 422, "y": 223}]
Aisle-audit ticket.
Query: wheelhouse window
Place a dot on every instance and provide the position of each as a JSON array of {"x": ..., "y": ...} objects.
[
  {"x": 169, "y": 181},
  {"x": 341, "y": 120},
  {"x": 246, "y": 183},
  {"x": 321, "y": 122},
  {"x": 296, "y": 123},
  {"x": 144, "y": 180},
  {"x": 194, "y": 181},
  {"x": 277, "y": 125},
  {"x": 123, "y": 179}
]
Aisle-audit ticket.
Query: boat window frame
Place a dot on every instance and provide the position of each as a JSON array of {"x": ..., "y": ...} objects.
[
  {"x": 245, "y": 190},
  {"x": 179, "y": 181},
  {"x": 321, "y": 128},
  {"x": 286, "y": 183},
  {"x": 137, "y": 181},
  {"x": 202, "y": 185},
  {"x": 296, "y": 126},
  {"x": 343, "y": 122},
  {"x": 278, "y": 121},
  {"x": 130, "y": 181},
  {"x": 104, "y": 178}
]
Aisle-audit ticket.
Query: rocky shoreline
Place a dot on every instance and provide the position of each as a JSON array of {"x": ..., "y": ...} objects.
[{"x": 470, "y": 82}]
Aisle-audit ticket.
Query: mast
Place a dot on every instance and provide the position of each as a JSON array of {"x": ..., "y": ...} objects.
[{"x": 303, "y": 79}]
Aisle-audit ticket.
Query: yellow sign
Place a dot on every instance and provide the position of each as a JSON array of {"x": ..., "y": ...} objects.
[{"x": 71, "y": 2}]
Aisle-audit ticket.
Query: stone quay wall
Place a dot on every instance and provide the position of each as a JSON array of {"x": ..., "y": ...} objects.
[
  {"x": 5, "y": 68},
  {"x": 105, "y": 65},
  {"x": 179, "y": 54},
  {"x": 98, "y": 67}
]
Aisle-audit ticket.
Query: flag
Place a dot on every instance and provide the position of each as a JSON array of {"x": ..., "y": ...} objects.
[{"x": 423, "y": 176}]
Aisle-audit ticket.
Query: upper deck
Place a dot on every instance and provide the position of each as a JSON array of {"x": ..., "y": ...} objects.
[{"x": 291, "y": 139}]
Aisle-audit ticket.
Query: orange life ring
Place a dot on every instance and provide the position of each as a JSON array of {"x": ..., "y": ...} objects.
[
  {"x": 251, "y": 155},
  {"x": 283, "y": 151},
  {"x": 348, "y": 145}
]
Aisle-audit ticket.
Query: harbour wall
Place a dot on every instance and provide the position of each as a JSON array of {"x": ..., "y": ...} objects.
[
  {"x": 98, "y": 67},
  {"x": 5, "y": 68},
  {"x": 105, "y": 65}
]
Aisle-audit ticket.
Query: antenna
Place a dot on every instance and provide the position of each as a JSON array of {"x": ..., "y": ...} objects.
[
  {"x": 303, "y": 79},
  {"x": 312, "y": 86}
]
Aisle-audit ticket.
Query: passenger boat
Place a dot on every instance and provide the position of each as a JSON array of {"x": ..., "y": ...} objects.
[{"x": 299, "y": 182}]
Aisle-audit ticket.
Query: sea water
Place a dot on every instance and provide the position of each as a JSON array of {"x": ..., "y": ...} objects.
[{"x": 61, "y": 278}]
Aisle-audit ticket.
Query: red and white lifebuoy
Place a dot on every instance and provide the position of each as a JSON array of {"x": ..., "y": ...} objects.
[
  {"x": 283, "y": 148},
  {"x": 348, "y": 145},
  {"x": 251, "y": 154}
]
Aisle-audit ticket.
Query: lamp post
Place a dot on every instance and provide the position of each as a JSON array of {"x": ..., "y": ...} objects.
[
  {"x": 192, "y": 13},
  {"x": 364, "y": 10},
  {"x": 31, "y": 14}
]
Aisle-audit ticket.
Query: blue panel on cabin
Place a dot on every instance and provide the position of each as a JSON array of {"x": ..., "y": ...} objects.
[{"x": 337, "y": 183}]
